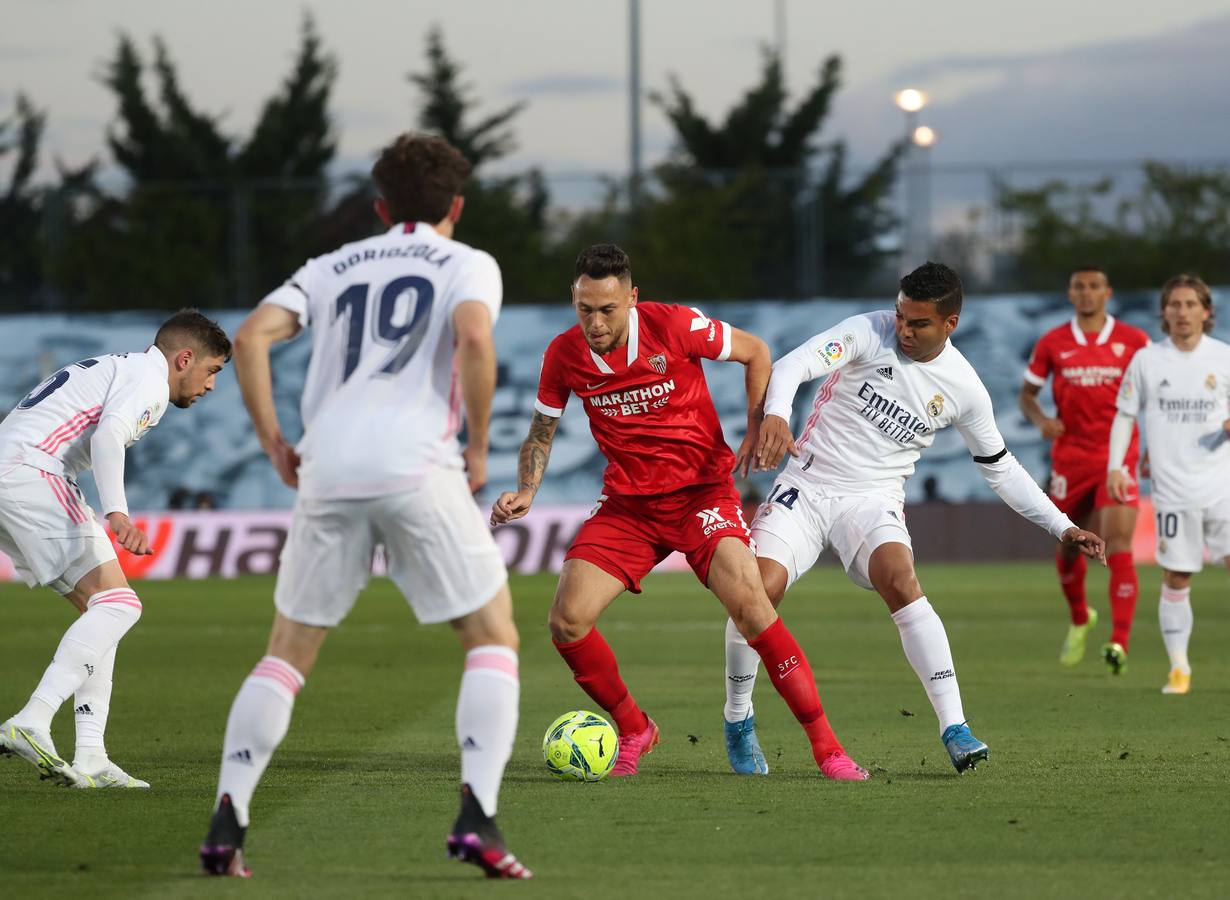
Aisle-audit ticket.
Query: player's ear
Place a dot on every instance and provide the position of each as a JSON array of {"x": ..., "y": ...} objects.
[
  {"x": 632, "y": 295},
  {"x": 454, "y": 211},
  {"x": 950, "y": 324},
  {"x": 183, "y": 359},
  {"x": 382, "y": 211}
]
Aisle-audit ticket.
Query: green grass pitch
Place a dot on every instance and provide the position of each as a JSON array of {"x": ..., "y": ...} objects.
[{"x": 1096, "y": 787}]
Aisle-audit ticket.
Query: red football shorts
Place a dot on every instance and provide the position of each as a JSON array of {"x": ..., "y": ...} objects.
[
  {"x": 1078, "y": 484},
  {"x": 627, "y": 535}
]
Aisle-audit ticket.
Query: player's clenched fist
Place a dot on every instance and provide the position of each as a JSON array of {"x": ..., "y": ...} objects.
[
  {"x": 775, "y": 442},
  {"x": 1089, "y": 543},
  {"x": 127, "y": 535},
  {"x": 511, "y": 506}
]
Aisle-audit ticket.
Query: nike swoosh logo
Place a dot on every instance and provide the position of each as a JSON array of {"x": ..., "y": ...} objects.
[
  {"x": 593, "y": 387},
  {"x": 1066, "y": 354}
]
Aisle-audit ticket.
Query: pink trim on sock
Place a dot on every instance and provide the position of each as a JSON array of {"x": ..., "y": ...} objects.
[
  {"x": 121, "y": 596},
  {"x": 497, "y": 661},
  {"x": 1175, "y": 595},
  {"x": 280, "y": 671}
]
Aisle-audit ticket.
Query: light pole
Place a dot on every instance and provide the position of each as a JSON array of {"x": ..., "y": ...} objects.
[
  {"x": 634, "y": 99},
  {"x": 921, "y": 141},
  {"x": 910, "y": 101}
]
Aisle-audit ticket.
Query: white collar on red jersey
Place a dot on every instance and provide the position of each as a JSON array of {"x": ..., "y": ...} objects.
[
  {"x": 1103, "y": 335},
  {"x": 634, "y": 330}
]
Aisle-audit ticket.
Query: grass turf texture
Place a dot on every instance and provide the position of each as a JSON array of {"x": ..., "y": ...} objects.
[{"x": 1095, "y": 786}]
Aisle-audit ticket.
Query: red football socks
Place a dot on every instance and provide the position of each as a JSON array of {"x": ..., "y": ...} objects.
[
  {"x": 1072, "y": 580},
  {"x": 1123, "y": 591},
  {"x": 792, "y": 676},
  {"x": 594, "y": 667}
]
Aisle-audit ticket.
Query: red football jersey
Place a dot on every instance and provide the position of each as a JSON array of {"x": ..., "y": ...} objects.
[
  {"x": 1087, "y": 369},
  {"x": 648, "y": 403}
]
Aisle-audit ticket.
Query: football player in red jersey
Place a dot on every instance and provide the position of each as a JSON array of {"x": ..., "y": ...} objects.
[
  {"x": 668, "y": 486},
  {"x": 1087, "y": 357}
]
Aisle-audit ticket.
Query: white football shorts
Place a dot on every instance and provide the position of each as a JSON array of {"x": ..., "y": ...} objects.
[
  {"x": 48, "y": 529},
  {"x": 795, "y": 524},
  {"x": 439, "y": 550},
  {"x": 1183, "y": 535}
]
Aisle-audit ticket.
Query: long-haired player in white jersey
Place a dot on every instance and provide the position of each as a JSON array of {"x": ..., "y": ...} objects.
[
  {"x": 401, "y": 342},
  {"x": 892, "y": 381},
  {"x": 84, "y": 417},
  {"x": 1180, "y": 388}
]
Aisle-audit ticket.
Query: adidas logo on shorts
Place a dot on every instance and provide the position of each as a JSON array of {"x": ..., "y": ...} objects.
[{"x": 886, "y": 372}]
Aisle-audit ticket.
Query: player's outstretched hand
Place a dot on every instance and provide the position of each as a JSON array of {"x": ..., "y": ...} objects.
[
  {"x": 285, "y": 460},
  {"x": 1117, "y": 485},
  {"x": 476, "y": 467},
  {"x": 775, "y": 442},
  {"x": 1089, "y": 543},
  {"x": 127, "y": 535},
  {"x": 511, "y": 506}
]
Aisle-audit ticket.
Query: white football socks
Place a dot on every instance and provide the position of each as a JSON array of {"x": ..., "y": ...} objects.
[
  {"x": 742, "y": 663},
  {"x": 926, "y": 647},
  {"x": 1174, "y": 615},
  {"x": 259, "y": 719},
  {"x": 92, "y": 703},
  {"x": 107, "y": 618},
  {"x": 487, "y": 708}
]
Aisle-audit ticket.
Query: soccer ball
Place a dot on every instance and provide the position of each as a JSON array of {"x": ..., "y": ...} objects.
[{"x": 580, "y": 746}]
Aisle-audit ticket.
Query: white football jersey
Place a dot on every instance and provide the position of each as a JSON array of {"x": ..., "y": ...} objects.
[
  {"x": 1183, "y": 398},
  {"x": 50, "y": 429},
  {"x": 381, "y": 404},
  {"x": 878, "y": 409}
]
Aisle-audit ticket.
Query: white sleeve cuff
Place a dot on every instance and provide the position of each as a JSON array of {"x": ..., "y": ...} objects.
[
  {"x": 552, "y": 411},
  {"x": 1034, "y": 379},
  {"x": 725, "y": 354}
]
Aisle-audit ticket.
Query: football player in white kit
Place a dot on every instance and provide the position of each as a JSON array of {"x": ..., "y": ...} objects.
[
  {"x": 401, "y": 341},
  {"x": 893, "y": 380},
  {"x": 1180, "y": 387},
  {"x": 84, "y": 417}
]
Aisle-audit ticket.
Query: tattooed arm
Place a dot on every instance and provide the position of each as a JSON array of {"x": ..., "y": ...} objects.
[{"x": 531, "y": 465}]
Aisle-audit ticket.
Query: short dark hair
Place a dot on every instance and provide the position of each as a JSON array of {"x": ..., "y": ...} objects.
[
  {"x": 418, "y": 175},
  {"x": 602, "y": 261},
  {"x": 1095, "y": 268},
  {"x": 189, "y": 327},
  {"x": 935, "y": 283},
  {"x": 1203, "y": 293}
]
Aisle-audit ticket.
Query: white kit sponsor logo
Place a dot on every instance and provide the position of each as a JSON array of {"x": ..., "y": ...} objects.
[
  {"x": 712, "y": 520},
  {"x": 635, "y": 401}
]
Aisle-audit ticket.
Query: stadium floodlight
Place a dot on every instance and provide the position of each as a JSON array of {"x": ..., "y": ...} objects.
[
  {"x": 910, "y": 100},
  {"x": 923, "y": 136}
]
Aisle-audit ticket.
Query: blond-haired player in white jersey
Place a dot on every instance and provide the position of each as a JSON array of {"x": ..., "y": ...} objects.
[
  {"x": 893, "y": 380},
  {"x": 84, "y": 417},
  {"x": 401, "y": 342},
  {"x": 1180, "y": 387}
]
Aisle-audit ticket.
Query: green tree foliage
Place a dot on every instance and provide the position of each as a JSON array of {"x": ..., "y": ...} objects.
[
  {"x": 757, "y": 185},
  {"x": 207, "y": 219},
  {"x": 504, "y": 215},
  {"x": 1178, "y": 220},
  {"x": 20, "y": 203}
]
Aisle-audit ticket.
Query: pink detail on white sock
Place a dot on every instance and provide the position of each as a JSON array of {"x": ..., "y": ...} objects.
[
  {"x": 1175, "y": 595},
  {"x": 70, "y": 429},
  {"x": 823, "y": 396},
  {"x": 70, "y": 504},
  {"x": 497, "y": 661},
  {"x": 120, "y": 596},
  {"x": 279, "y": 670}
]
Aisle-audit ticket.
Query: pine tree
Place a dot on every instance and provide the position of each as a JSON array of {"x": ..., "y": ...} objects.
[{"x": 20, "y": 262}]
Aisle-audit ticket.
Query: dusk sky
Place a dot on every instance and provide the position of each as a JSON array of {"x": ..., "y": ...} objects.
[{"x": 1049, "y": 80}]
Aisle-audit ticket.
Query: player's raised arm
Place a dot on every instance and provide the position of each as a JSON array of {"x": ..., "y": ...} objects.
[
  {"x": 753, "y": 353},
  {"x": 268, "y": 324},
  {"x": 1008, "y": 478},
  {"x": 531, "y": 466},
  {"x": 476, "y": 372}
]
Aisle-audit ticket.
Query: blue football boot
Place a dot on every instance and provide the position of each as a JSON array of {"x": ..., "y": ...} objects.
[
  {"x": 965, "y": 749},
  {"x": 743, "y": 748}
]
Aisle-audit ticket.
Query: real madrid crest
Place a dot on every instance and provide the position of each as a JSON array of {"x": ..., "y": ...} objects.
[
  {"x": 658, "y": 361},
  {"x": 935, "y": 406},
  {"x": 1211, "y": 382}
]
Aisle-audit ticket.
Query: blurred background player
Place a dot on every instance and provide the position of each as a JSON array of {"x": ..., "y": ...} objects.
[
  {"x": 1086, "y": 357},
  {"x": 402, "y": 339},
  {"x": 1182, "y": 385},
  {"x": 84, "y": 417},
  {"x": 668, "y": 486},
  {"x": 893, "y": 380}
]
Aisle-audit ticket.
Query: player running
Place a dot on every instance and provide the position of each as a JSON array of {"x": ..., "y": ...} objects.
[
  {"x": 401, "y": 338},
  {"x": 893, "y": 380},
  {"x": 668, "y": 486},
  {"x": 1182, "y": 388},
  {"x": 1087, "y": 358},
  {"x": 84, "y": 417}
]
